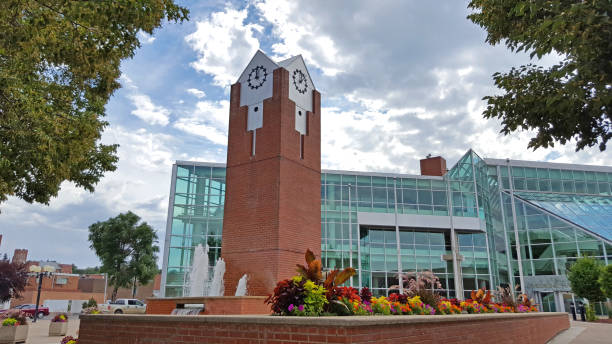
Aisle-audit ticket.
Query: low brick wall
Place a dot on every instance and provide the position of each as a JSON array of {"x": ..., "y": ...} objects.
[
  {"x": 214, "y": 305},
  {"x": 468, "y": 328}
]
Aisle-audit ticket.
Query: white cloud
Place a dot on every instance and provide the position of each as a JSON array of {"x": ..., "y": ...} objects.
[
  {"x": 224, "y": 44},
  {"x": 197, "y": 93},
  {"x": 145, "y": 38},
  {"x": 299, "y": 33},
  {"x": 208, "y": 119},
  {"x": 148, "y": 111}
]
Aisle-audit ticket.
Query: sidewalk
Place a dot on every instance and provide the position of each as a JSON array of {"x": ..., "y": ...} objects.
[
  {"x": 584, "y": 333},
  {"x": 38, "y": 332}
]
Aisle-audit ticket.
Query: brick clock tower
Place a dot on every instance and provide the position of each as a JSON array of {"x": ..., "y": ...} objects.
[{"x": 272, "y": 199}]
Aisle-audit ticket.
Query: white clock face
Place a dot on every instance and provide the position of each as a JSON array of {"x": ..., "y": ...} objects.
[
  {"x": 257, "y": 77},
  {"x": 299, "y": 81}
]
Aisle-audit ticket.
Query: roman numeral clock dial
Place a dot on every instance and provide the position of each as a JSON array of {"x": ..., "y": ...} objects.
[{"x": 299, "y": 81}]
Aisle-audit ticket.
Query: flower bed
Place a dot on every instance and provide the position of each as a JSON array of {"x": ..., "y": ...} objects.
[
  {"x": 309, "y": 294},
  {"x": 14, "y": 327},
  {"x": 58, "y": 325}
]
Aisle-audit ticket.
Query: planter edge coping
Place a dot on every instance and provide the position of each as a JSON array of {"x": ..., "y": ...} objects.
[{"x": 338, "y": 321}]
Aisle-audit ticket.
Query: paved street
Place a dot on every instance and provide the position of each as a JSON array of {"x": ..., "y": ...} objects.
[
  {"x": 585, "y": 333},
  {"x": 38, "y": 332}
]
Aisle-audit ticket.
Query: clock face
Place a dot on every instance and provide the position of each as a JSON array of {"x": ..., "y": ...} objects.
[
  {"x": 257, "y": 77},
  {"x": 299, "y": 81}
]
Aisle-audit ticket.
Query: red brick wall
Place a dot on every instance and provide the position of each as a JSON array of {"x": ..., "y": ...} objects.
[
  {"x": 435, "y": 166},
  {"x": 213, "y": 305},
  {"x": 272, "y": 201},
  {"x": 490, "y": 328}
]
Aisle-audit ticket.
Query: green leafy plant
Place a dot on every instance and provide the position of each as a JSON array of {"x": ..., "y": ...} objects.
[
  {"x": 90, "y": 303},
  {"x": 9, "y": 322},
  {"x": 584, "y": 279},
  {"x": 569, "y": 100},
  {"x": 605, "y": 280},
  {"x": 127, "y": 249},
  {"x": 16, "y": 315},
  {"x": 315, "y": 299},
  {"x": 590, "y": 312},
  {"x": 59, "y": 65}
]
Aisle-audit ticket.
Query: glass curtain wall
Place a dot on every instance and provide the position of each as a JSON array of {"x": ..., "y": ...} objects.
[{"x": 197, "y": 218}]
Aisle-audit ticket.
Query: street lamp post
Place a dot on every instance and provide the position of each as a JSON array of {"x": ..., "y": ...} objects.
[{"x": 46, "y": 271}]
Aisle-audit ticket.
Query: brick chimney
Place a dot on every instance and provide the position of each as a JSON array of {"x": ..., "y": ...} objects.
[
  {"x": 433, "y": 166},
  {"x": 20, "y": 256}
]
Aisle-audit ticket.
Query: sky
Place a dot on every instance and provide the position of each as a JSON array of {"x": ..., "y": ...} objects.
[{"x": 399, "y": 80}]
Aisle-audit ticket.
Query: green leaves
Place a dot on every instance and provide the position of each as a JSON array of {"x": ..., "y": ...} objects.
[
  {"x": 584, "y": 279},
  {"x": 126, "y": 249},
  {"x": 568, "y": 101},
  {"x": 59, "y": 65}
]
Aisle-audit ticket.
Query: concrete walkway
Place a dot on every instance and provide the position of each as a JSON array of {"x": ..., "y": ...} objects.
[
  {"x": 584, "y": 333},
  {"x": 38, "y": 332}
]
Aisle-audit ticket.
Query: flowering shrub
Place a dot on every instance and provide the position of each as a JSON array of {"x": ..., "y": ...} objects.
[
  {"x": 473, "y": 307},
  {"x": 310, "y": 294},
  {"x": 10, "y": 322},
  {"x": 445, "y": 307},
  {"x": 62, "y": 317},
  {"x": 287, "y": 292},
  {"x": 90, "y": 310},
  {"x": 69, "y": 340},
  {"x": 15, "y": 317}
]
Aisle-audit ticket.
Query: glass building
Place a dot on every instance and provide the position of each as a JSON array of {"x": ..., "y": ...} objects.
[{"x": 509, "y": 222}]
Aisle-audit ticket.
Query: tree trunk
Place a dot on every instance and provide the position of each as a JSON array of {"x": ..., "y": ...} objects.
[
  {"x": 114, "y": 295},
  {"x": 134, "y": 288}
]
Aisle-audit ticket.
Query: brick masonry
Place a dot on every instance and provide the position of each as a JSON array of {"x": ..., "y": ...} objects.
[
  {"x": 472, "y": 329},
  {"x": 272, "y": 201},
  {"x": 219, "y": 305}
]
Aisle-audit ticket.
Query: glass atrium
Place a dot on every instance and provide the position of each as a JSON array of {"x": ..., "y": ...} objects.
[{"x": 533, "y": 219}]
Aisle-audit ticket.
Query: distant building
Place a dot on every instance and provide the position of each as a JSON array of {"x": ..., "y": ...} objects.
[{"x": 20, "y": 256}]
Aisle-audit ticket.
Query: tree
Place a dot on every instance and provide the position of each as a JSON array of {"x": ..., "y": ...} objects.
[
  {"x": 59, "y": 65},
  {"x": 584, "y": 279},
  {"x": 13, "y": 280},
  {"x": 571, "y": 99},
  {"x": 85, "y": 271},
  {"x": 605, "y": 279},
  {"x": 126, "y": 249}
]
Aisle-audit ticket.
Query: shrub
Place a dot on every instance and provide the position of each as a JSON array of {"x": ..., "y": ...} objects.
[
  {"x": 10, "y": 322},
  {"x": 19, "y": 316},
  {"x": 365, "y": 294},
  {"x": 287, "y": 292},
  {"x": 90, "y": 310},
  {"x": 590, "y": 312},
  {"x": 90, "y": 303},
  {"x": 315, "y": 299},
  {"x": 13, "y": 280},
  {"x": 62, "y": 317},
  {"x": 69, "y": 340}
]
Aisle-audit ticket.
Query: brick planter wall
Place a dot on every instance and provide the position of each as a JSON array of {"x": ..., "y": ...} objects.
[
  {"x": 472, "y": 329},
  {"x": 214, "y": 305}
]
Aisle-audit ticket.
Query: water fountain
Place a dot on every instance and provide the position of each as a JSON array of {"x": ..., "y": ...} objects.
[
  {"x": 198, "y": 276},
  {"x": 217, "y": 287},
  {"x": 241, "y": 290}
]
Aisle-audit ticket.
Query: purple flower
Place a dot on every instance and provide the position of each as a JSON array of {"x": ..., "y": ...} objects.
[
  {"x": 291, "y": 307},
  {"x": 301, "y": 308}
]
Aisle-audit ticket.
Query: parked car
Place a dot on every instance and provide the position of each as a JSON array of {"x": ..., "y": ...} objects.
[
  {"x": 123, "y": 306},
  {"x": 30, "y": 310}
]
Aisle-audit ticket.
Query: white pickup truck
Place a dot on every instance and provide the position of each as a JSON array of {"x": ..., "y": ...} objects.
[{"x": 123, "y": 306}]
